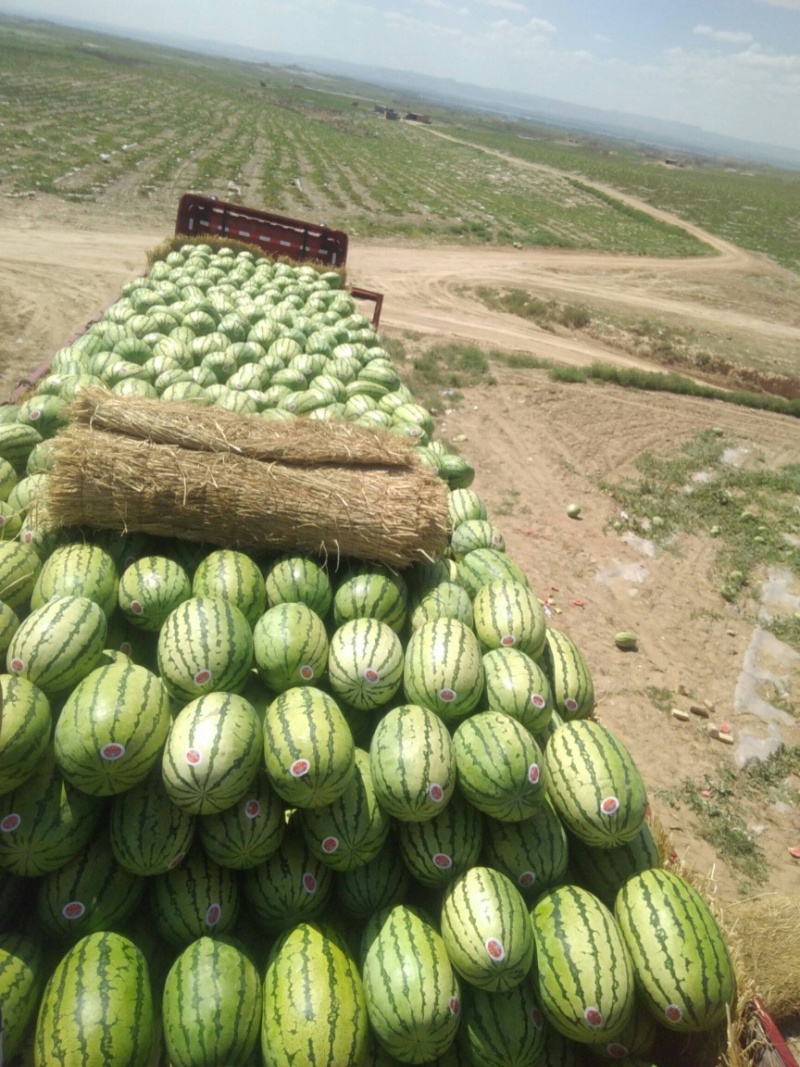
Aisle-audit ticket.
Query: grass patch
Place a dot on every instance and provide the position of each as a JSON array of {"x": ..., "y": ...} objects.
[
  {"x": 660, "y": 697},
  {"x": 545, "y": 313},
  {"x": 750, "y": 510}
]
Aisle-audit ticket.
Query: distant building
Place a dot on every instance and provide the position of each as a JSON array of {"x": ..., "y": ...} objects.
[
  {"x": 412, "y": 116},
  {"x": 390, "y": 113},
  {"x": 379, "y": 109}
]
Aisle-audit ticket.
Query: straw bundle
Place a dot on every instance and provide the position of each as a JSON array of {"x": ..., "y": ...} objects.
[
  {"x": 391, "y": 515},
  {"x": 766, "y": 932},
  {"x": 312, "y": 441}
]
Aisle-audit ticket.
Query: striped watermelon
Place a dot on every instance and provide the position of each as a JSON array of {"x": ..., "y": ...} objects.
[
  {"x": 195, "y": 899},
  {"x": 90, "y": 892},
  {"x": 603, "y": 871},
  {"x": 78, "y": 570},
  {"x": 499, "y": 766},
  {"x": 639, "y": 1037},
  {"x": 25, "y": 728},
  {"x": 150, "y": 588},
  {"x": 22, "y": 974},
  {"x": 291, "y": 647},
  {"x": 290, "y": 887},
  {"x": 365, "y": 663},
  {"x": 308, "y": 748},
  {"x": 594, "y": 784},
  {"x": 412, "y": 993},
  {"x": 570, "y": 681},
  {"x": 372, "y": 592},
  {"x": 442, "y": 848},
  {"x": 108, "y": 1020},
  {"x": 445, "y": 601},
  {"x": 148, "y": 834},
  {"x": 17, "y": 441},
  {"x": 314, "y": 1009},
  {"x": 248, "y": 832},
  {"x": 205, "y": 646},
  {"x": 584, "y": 972},
  {"x": 44, "y": 822},
  {"x": 412, "y": 763},
  {"x": 212, "y": 753},
  {"x": 683, "y": 968},
  {"x": 8, "y": 478},
  {"x": 235, "y": 577},
  {"x": 380, "y": 883},
  {"x": 296, "y": 579},
  {"x": 475, "y": 533},
  {"x": 352, "y": 830},
  {"x": 533, "y": 853},
  {"x": 484, "y": 565},
  {"x": 59, "y": 644},
  {"x": 456, "y": 471},
  {"x": 19, "y": 569},
  {"x": 9, "y": 624},
  {"x": 516, "y": 685},
  {"x": 443, "y": 669},
  {"x": 211, "y": 1006},
  {"x": 112, "y": 728},
  {"x": 508, "y": 615},
  {"x": 486, "y": 930},
  {"x": 504, "y": 1028}
]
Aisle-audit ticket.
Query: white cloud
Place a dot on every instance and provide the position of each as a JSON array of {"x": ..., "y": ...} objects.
[
  {"x": 419, "y": 26},
  {"x": 506, "y": 5},
  {"x": 540, "y": 26},
  {"x": 728, "y": 36},
  {"x": 601, "y": 37},
  {"x": 442, "y": 5}
]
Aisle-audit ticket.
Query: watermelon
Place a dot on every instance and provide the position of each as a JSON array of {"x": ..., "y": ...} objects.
[
  {"x": 584, "y": 973},
  {"x": 314, "y": 1009},
  {"x": 484, "y": 565},
  {"x": 22, "y": 973},
  {"x": 682, "y": 964},
  {"x": 194, "y": 899},
  {"x": 291, "y": 646},
  {"x": 412, "y": 763},
  {"x": 638, "y": 1038},
  {"x": 248, "y": 832},
  {"x": 365, "y": 663},
  {"x": 19, "y": 569},
  {"x": 108, "y": 1020},
  {"x": 296, "y": 579},
  {"x": 232, "y": 576},
  {"x": 308, "y": 748},
  {"x": 351, "y": 830},
  {"x": 443, "y": 669},
  {"x": 371, "y": 592},
  {"x": 508, "y": 615},
  {"x": 17, "y": 441},
  {"x": 25, "y": 728},
  {"x": 516, "y": 685},
  {"x": 147, "y": 832},
  {"x": 112, "y": 728},
  {"x": 45, "y": 413},
  {"x": 211, "y": 1006},
  {"x": 594, "y": 784},
  {"x": 59, "y": 644},
  {"x": 44, "y": 822},
  {"x": 205, "y": 646},
  {"x": 9, "y": 624},
  {"x": 290, "y": 887},
  {"x": 533, "y": 853},
  {"x": 8, "y": 478},
  {"x": 504, "y": 1028},
  {"x": 447, "y": 600},
  {"x": 212, "y": 753},
  {"x": 475, "y": 533},
  {"x": 412, "y": 993},
  {"x": 569, "y": 677},
  {"x": 150, "y": 588},
  {"x": 90, "y": 892},
  {"x": 442, "y": 848},
  {"x": 486, "y": 930},
  {"x": 78, "y": 570},
  {"x": 499, "y": 766},
  {"x": 10, "y": 521},
  {"x": 380, "y": 883},
  {"x": 603, "y": 871}
]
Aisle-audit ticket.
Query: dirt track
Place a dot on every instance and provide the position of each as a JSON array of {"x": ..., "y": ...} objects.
[{"x": 536, "y": 446}]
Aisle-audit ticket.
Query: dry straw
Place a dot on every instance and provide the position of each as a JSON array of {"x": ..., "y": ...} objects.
[
  {"x": 391, "y": 515},
  {"x": 209, "y": 429}
]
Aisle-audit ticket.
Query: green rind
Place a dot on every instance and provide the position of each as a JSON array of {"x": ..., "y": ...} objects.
[
  {"x": 412, "y": 763},
  {"x": 58, "y": 645},
  {"x": 248, "y": 832},
  {"x": 443, "y": 669},
  {"x": 22, "y": 975},
  {"x": 204, "y": 646},
  {"x": 194, "y": 899},
  {"x": 365, "y": 663},
  {"x": 499, "y": 766}
]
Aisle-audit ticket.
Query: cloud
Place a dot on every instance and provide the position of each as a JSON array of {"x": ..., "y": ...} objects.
[
  {"x": 442, "y": 5},
  {"x": 419, "y": 26},
  {"x": 601, "y": 37},
  {"x": 727, "y": 36},
  {"x": 540, "y": 26},
  {"x": 793, "y": 5},
  {"x": 506, "y": 5}
]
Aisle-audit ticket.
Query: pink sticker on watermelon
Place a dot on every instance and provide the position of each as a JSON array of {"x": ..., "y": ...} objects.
[
  {"x": 448, "y": 695},
  {"x": 508, "y": 640},
  {"x": 112, "y": 751},
  {"x": 442, "y": 861},
  {"x": 309, "y": 882},
  {"x": 371, "y": 675},
  {"x": 495, "y": 949},
  {"x": 193, "y": 757},
  {"x": 213, "y": 915},
  {"x": 252, "y": 808},
  {"x": 593, "y": 1017},
  {"x": 203, "y": 677},
  {"x": 330, "y": 844},
  {"x": 10, "y": 823},
  {"x": 74, "y": 910},
  {"x": 435, "y": 792},
  {"x": 299, "y": 768},
  {"x": 533, "y": 773},
  {"x": 307, "y": 672},
  {"x": 673, "y": 1013}
]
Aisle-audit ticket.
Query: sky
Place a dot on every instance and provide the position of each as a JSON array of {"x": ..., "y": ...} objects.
[{"x": 728, "y": 66}]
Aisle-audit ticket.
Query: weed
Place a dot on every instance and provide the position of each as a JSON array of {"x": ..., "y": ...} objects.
[
  {"x": 660, "y": 697},
  {"x": 509, "y": 504}
]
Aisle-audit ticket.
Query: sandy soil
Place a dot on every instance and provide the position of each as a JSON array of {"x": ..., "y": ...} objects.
[{"x": 536, "y": 446}]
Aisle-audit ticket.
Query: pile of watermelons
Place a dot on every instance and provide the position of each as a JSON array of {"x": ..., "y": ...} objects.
[{"x": 253, "y": 810}]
